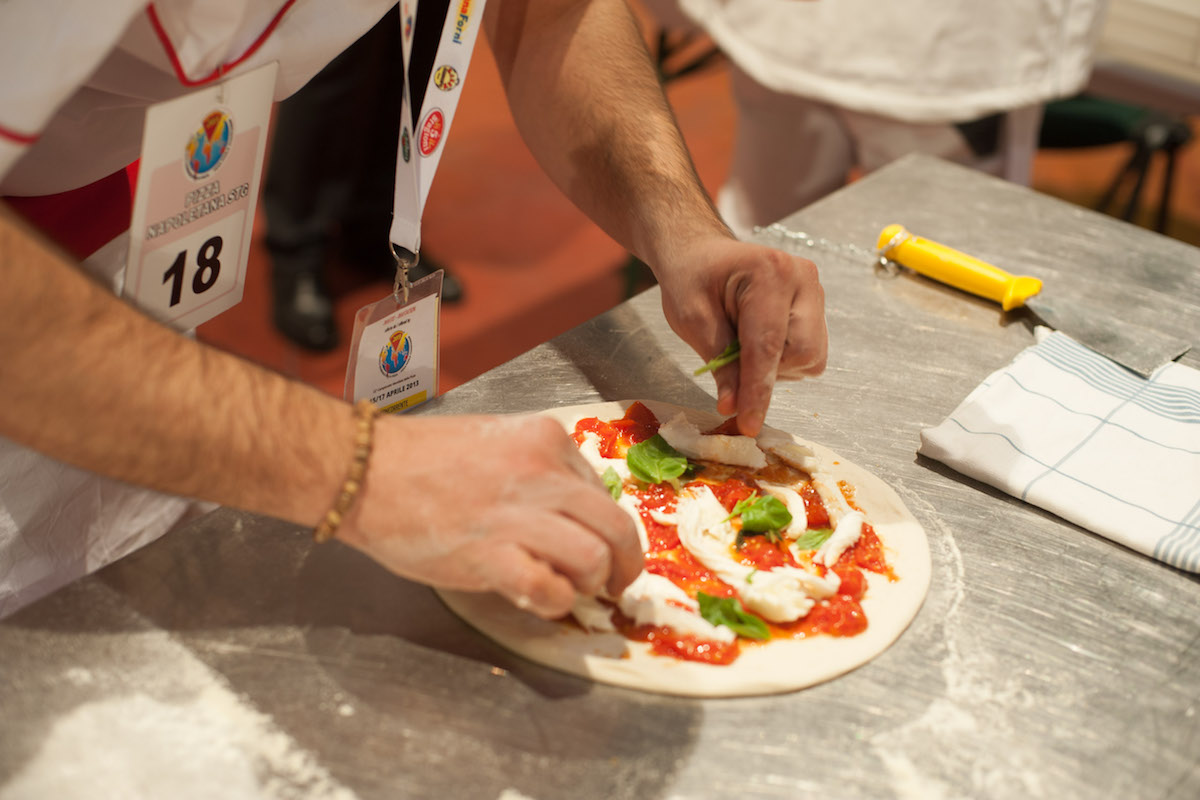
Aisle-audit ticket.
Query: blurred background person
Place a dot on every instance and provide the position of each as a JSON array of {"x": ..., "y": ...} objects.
[
  {"x": 829, "y": 86},
  {"x": 328, "y": 192}
]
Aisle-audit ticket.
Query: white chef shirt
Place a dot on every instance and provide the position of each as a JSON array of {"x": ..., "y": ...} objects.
[{"x": 78, "y": 76}]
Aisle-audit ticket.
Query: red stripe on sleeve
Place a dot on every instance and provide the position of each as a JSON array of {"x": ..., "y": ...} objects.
[{"x": 17, "y": 136}]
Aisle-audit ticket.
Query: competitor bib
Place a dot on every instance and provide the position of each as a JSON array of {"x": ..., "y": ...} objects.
[{"x": 193, "y": 207}]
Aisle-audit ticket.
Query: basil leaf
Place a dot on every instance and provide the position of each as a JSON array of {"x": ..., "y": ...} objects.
[
  {"x": 728, "y": 611},
  {"x": 727, "y": 356},
  {"x": 655, "y": 461},
  {"x": 613, "y": 482},
  {"x": 814, "y": 538},
  {"x": 766, "y": 514},
  {"x": 740, "y": 506}
]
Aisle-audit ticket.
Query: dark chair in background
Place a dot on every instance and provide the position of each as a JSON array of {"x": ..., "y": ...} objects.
[{"x": 1089, "y": 121}]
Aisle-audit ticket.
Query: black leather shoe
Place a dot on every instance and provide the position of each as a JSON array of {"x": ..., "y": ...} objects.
[{"x": 303, "y": 312}]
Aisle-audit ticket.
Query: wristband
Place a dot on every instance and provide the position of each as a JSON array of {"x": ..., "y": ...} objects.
[{"x": 364, "y": 415}]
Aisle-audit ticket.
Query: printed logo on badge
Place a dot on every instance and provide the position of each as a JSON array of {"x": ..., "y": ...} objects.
[
  {"x": 405, "y": 145},
  {"x": 395, "y": 354},
  {"x": 445, "y": 77},
  {"x": 209, "y": 145},
  {"x": 431, "y": 132}
]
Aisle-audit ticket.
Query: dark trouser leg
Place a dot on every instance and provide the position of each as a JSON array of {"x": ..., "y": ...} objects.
[{"x": 316, "y": 155}]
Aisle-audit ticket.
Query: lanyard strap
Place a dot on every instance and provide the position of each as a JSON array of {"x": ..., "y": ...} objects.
[{"x": 437, "y": 44}]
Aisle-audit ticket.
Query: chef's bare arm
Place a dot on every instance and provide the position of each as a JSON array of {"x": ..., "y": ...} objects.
[
  {"x": 587, "y": 101},
  {"x": 476, "y": 503},
  {"x": 89, "y": 380}
]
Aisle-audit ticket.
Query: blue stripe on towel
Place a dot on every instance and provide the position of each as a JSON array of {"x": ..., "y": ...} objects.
[
  {"x": 1083, "y": 442},
  {"x": 1181, "y": 547},
  {"x": 1170, "y": 402},
  {"x": 1188, "y": 525},
  {"x": 1096, "y": 417}
]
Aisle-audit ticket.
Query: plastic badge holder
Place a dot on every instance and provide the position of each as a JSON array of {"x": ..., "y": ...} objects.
[{"x": 395, "y": 349}]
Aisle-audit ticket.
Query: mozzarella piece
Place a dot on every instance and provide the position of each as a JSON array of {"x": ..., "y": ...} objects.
[
  {"x": 834, "y": 500},
  {"x": 848, "y": 529},
  {"x": 592, "y": 614},
  {"x": 785, "y": 594},
  {"x": 741, "y": 451},
  {"x": 782, "y": 445},
  {"x": 795, "y": 506},
  {"x": 654, "y": 600},
  {"x": 663, "y": 517},
  {"x": 590, "y": 448},
  {"x": 782, "y": 594},
  {"x": 630, "y": 504}
]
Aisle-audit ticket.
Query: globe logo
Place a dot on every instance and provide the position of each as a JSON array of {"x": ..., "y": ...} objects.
[
  {"x": 395, "y": 354},
  {"x": 209, "y": 145}
]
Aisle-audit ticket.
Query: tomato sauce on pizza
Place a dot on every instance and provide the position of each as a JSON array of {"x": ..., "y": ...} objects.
[{"x": 794, "y": 547}]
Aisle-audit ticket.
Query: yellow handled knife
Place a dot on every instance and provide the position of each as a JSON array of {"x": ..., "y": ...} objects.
[{"x": 1139, "y": 349}]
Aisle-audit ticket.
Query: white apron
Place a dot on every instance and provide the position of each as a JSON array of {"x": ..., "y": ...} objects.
[
  {"x": 910, "y": 60},
  {"x": 825, "y": 85}
]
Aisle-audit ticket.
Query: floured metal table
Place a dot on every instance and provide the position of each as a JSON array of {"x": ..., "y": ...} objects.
[{"x": 236, "y": 659}]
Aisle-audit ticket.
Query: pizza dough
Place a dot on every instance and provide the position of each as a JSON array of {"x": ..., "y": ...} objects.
[{"x": 777, "y": 665}]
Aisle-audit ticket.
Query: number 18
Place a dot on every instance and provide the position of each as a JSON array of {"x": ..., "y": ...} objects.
[{"x": 208, "y": 268}]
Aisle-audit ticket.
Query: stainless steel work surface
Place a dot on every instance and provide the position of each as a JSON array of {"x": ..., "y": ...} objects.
[{"x": 233, "y": 658}]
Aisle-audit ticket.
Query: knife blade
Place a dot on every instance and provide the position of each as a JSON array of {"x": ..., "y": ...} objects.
[{"x": 1135, "y": 347}]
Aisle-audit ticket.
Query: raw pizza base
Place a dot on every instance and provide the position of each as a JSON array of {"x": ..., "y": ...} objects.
[{"x": 779, "y": 665}]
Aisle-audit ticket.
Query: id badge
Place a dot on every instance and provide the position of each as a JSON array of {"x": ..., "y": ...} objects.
[
  {"x": 193, "y": 208},
  {"x": 394, "y": 349}
]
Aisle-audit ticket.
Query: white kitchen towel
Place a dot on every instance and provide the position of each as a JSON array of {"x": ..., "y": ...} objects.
[{"x": 1064, "y": 428}]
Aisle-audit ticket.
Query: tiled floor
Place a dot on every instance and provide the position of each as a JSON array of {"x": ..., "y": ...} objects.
[{"x": 533, "y": 266}]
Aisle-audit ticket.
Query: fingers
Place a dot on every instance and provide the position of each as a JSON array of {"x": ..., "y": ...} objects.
[
  {"x": 582, "y": 533},
  {"x": 503, "y": 504},
  {"x": 721, "y": 335},
  {"x": 592, "y": 508},
  {"x": 781, "y": 326},
  {"x": 709, "y": 332},
  {"x": 807, "y": 345},
  {"x": 763, "y": 305},
  {"x": 727, "y": 382},
  {"x": 526, "y": 581},
  {"x": 562, "y": 516},
  {"x": 539, "y": 558},
  {"x": 597, "y": 514}
]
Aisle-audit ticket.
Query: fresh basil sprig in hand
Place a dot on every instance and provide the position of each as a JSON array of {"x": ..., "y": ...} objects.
[
  {"x": 727, "y": 356},
  {"x": 728, "y": 611},
  {"x": 655, "y": 461},
  {"x": 612, "y": 481}
]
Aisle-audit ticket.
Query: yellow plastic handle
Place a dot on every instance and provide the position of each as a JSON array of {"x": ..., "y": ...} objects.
[{"x": 957, "y": 269}]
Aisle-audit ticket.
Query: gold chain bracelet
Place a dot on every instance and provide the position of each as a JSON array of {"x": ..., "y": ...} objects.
[{"x": 364, "y": 434}]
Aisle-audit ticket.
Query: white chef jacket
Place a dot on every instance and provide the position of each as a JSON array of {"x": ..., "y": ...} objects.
[
  {"x": 78, "y": 76},
  {"x": 912, "y": 60}
]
